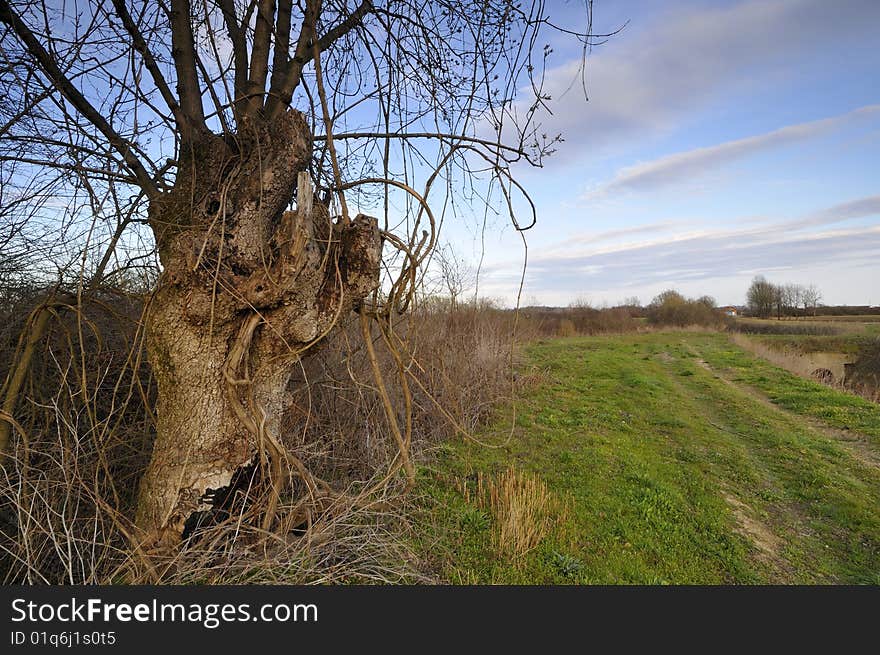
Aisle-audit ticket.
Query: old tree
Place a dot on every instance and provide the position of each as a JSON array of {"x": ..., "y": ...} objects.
[{"x": 227, "y": 132}]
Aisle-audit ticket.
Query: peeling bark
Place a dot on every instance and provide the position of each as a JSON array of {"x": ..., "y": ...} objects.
[{"x": 245, "y": 287}]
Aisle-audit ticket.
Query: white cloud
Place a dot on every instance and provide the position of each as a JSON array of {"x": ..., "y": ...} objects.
[
  {"x": 686, "y": 165},
  {"x": 695, "y": 258},
  {"x": 649, "y": 75}
]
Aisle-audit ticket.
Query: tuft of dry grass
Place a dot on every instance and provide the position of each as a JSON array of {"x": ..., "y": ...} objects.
[{"x": 522, "y": 507}]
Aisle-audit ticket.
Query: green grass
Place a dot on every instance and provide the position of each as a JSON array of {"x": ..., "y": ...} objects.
[
  {"x": 669, "y": 473},
  {"x": 805, "y": 397}
]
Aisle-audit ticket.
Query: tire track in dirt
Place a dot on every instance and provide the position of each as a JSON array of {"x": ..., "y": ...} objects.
[
  {"x": 766, "y": 542},
  {"x": 856, "y": 444}
]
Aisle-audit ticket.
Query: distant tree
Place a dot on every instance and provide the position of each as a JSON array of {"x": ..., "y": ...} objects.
[
  {"x": 794, "y": 294},
  {"x": 632, "y": 306},
  {"x": 761, "y": 297},
  {"x": 810, "y": 298},
  {"x": 779, "y": 300},
  {"x": 786, "y": 299},
  {"x": 669, "y": 298},
  {"x": 456, "y": 273},
  {"x": 672, "y": 308},
  {"x": 581, "y": 302}
]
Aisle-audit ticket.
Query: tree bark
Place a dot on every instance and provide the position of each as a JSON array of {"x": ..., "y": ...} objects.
[{"x": 246, "y": 287}]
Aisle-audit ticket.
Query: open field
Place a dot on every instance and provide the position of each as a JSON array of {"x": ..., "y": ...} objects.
[{"x": 661, "y": 458}]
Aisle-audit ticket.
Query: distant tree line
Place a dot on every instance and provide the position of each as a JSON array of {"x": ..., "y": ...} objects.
[{"x": 766, "y": 299}]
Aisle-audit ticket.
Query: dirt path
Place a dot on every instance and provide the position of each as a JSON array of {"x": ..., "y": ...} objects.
[
  {"x": 767, "y": 543},
  {"x": 856, "y": 444}
]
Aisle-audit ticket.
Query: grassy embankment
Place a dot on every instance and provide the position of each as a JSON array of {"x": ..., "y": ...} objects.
[
  {"x": 663, "y": 458},
  {"x": 819, "y": 349}
]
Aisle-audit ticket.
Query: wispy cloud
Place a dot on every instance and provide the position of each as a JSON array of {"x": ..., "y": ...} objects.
[
  {"x": 610, "y": 237},
  {"x": 649, "y": 76},
  {"x": 707, "y": 254},
  {"x": 845, "y": 211},
  {"x": 686, "y": 165}
]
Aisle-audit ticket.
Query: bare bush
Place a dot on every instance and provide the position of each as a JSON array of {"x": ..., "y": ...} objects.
[
  {"x": 670, "y": 308},
  {"x": 579, "y": 318},
  {"x": 566, "y": 328},
  {"x": 84, "y": 434}
]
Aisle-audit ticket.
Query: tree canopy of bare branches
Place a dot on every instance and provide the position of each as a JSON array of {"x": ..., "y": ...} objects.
[{"x": 233, "y": 139}]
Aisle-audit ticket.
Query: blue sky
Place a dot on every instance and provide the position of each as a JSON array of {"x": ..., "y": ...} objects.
[{"x": 721, "y": 140}]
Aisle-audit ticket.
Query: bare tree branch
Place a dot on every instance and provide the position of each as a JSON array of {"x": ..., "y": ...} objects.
[
  {"x": 184, "y": 53},
  {"x": 519, "y": 151},
  {"x": 140, "y": 45},
  {"x": 239, "y": 51},
  {"x": 77, "y": 99},
  {"x": 259, "y": 68},
  {"x": 281, "y": 95},
  {"x": 282, "y": 43}
]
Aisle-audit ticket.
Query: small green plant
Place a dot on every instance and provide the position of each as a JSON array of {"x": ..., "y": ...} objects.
[
  {"x": 566, "y": 565},
  {"x": 474, "y": 518}
]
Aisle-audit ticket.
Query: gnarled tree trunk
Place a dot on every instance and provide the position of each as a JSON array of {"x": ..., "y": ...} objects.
[{"x": 246, "y": 286}]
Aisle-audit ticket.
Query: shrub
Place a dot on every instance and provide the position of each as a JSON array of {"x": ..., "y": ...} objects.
[
  {"x": 670, "y": 308},
  {"x": 578, "y": 318}
]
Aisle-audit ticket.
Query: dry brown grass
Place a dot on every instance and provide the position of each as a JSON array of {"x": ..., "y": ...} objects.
[
  {"x": 791, "y": 361},
  {"x": 84, "y": 429},
  {"x": 523, "y": 509},
  {"x": 82, "y": 543},
  {"x": 794, "y": 326},
  {"x": 566, "y": 328},
  {"x": 458, "y": 362}
]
